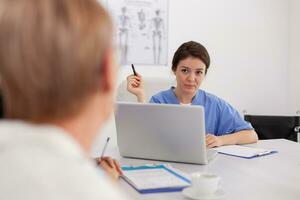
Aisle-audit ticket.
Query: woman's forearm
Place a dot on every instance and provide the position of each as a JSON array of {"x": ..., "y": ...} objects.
[{"x": 241, "y": 137}]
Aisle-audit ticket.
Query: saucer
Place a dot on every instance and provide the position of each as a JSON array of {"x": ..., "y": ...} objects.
[{"x": 190, "y": 193}]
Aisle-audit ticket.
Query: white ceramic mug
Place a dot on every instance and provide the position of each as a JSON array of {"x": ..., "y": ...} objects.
[{"x": 205, "y": 183}]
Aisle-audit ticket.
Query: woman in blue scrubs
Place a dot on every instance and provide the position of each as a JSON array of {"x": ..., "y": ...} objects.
[{"x": 224, "y": 125}]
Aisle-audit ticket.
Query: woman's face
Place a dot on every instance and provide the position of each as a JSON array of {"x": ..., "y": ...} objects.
[{"x": 190, "y": 73}]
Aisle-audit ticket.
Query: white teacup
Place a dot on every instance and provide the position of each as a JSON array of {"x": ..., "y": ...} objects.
[{"x": 205, "y": 183}]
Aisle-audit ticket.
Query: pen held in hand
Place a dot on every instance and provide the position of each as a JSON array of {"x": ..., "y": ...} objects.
[
  {"x": 104, "y": 148},
  {"x": 110, "y": 165},
  {"x": 133, "y": 69}
]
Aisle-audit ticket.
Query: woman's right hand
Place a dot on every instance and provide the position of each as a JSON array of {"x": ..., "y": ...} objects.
[{"x": 135, "y": 85}]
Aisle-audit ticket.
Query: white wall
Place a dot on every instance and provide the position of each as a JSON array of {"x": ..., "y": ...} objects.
[
  {"x": 294, "y": 59},
  {"x": 248, "y": 44}
]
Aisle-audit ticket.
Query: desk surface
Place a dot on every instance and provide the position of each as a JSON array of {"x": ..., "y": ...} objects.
[{"x": 275, "y": 176}]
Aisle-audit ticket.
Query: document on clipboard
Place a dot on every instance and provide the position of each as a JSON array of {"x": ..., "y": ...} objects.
[
  {"x": 152, "y": 179},
  {"x": 244, "y": 151}
]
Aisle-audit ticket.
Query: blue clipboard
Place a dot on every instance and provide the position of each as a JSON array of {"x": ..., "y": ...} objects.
[{"x": 156, "y": 190}]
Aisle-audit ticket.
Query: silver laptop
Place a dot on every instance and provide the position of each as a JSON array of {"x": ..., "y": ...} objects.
[{"x": 162, "y": 132}]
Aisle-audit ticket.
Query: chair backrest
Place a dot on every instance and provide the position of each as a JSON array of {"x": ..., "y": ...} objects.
[
  {"x": 273, "y": 127},
  {"x": 152, "y": 86}
]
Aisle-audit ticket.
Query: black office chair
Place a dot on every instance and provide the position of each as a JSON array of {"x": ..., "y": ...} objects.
[{"x": 274, "y": 127}]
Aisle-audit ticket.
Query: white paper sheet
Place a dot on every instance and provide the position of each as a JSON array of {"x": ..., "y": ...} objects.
[{"x": 153, "y": 178}]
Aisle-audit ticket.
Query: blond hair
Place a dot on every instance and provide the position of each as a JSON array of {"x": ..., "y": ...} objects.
[{"x": 51, "y": 53}]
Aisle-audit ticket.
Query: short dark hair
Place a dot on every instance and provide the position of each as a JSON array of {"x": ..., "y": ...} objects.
[{"x": 191, "y": 49}]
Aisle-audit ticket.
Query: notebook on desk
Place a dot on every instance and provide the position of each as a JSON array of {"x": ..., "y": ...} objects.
[
  {"x": 244, "y": 151},
  {"x": 162, "y": 132},
  {"x": 153, "y": 179}
]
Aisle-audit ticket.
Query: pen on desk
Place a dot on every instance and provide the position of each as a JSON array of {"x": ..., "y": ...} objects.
[
  {"x": 104, "y": 148},
  {"x": 133, "y": 69}
]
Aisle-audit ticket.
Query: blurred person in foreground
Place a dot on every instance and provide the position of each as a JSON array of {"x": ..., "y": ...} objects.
[{"x": 58, "y": 79}]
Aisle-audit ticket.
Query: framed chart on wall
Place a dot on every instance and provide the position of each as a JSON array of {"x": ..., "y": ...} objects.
[{"x": 141, "y": 30}]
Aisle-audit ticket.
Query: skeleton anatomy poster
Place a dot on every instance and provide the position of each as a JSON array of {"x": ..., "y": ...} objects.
[{"x": 141, "y": 30}]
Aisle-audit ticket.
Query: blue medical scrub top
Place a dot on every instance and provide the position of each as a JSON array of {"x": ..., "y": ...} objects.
[{"x": 220, "y": 117}]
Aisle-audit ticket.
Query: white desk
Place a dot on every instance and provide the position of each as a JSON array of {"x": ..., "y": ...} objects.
[{"x": 271, "y": 177}]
